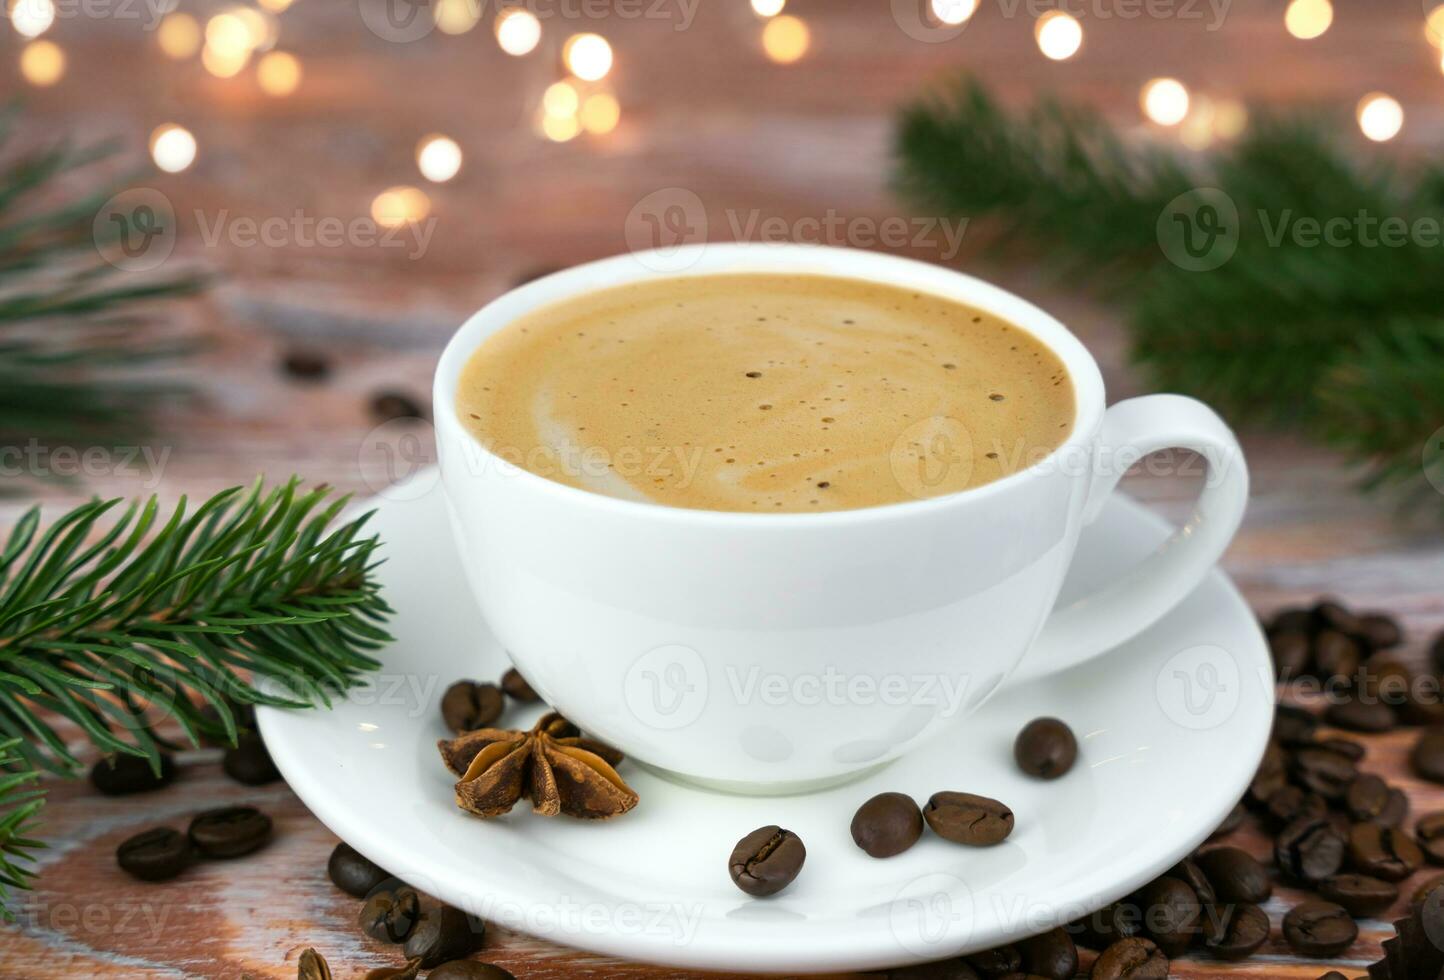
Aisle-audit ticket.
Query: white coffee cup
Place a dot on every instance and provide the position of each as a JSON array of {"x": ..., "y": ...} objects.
[{"x": 779, "y": 652}]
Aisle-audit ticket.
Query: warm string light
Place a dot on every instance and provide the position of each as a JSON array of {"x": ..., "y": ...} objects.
[
  {"x": 1307, "y": 19},
  {"x": 172, "y": 147},
  {"x": 31, "y": 18},
  {"x": 1380, "y": 117},
  {"x": 1434, "y": 25},
  {"x": 279, "y": 73},
  {"x": 768, "y": 8},
  {"x": 953, "y": 12},
  {"x": 1165, "y": 101},
  {"x": 438, "y": 158},
  {"x": 1059, "y": 35},
  {"x": 275, "y": 6},
  {"x": 785, "y": 39},
  {"x": 179, "y": 35},
  {"x": 518, "y": 31},
  {"x": 42, "y": 63},
  {"x": 456, "y": 16},
  {"x": 397, "y": 206},
  {"x": 568, "y": 109},
  {"x": 588, "y": 56}
]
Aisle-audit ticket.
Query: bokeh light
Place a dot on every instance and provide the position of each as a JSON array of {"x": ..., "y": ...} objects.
[
  {"x": 279, "y": 73},
  {"x": 224, "y": 64},
  {"x": 1059, "y": 35},
  {"x": 1165, "y": 101},
  {"x": 953, "y": 12},
  {"x": 600, "y": 113},
  {"x": 1307, "y": 19},
  {"x": 1380, "y": 116},
  {"x": 42, "y": 63},
  {"x": 561, "y": 99},
  {"x": 438, "y": 158},
  {"x": 172, "y": 147},
  {"x": 588, "y": 56},
  {"x": 456, "y": 16},
  {"x": 1230, "y": 118},
  {"x": 275, "y": 6},
  {"x": 397, "y": 206},
  {"x": 768, "y": 8},
  {"x": 1434, "y": 25},
  {"x": 560, "y": 128},
  {"x": 786, "y": 39},
  {"x": 179, "y": 35},
  {"x": 31, "y": 18},
  {"x": 517, "y": 31}
]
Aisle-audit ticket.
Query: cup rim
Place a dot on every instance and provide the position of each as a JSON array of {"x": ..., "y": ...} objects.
[{"x": 705, "y": 259}]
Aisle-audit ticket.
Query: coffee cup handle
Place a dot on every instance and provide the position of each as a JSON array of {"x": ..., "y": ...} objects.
[{"x": 1122, "y": 609}]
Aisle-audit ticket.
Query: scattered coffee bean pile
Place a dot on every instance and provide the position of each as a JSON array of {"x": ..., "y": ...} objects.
[
  {"x": 469, "y": 705},
  {"x": 162, "y": 853},
  {"x": 432, "y": 936}
]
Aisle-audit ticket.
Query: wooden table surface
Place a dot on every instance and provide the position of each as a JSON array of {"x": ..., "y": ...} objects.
[{"x": 703, "y": 111}]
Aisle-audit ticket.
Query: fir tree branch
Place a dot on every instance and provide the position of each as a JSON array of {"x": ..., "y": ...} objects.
[
  {"x": 20, "y": 802},
  {"x": 1340, "y": 342},
  {"x": 112, "y": 620}
]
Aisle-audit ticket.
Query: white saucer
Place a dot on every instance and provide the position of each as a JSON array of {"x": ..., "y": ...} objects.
[{"x": 1171, "y": 728}]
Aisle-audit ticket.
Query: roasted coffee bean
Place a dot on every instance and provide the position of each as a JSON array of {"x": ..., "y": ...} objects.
[
  {"x": 1429, "y": 831},
  {"x": 1103, "y": 928},
  {"x": 1324, "y": 772},
  {"x": 1188, "y": 872},
  {"x": 1236, "y": 876},
  {"x": 1170, "y": 914},
  {"x": 1045, "y": 748},
  {"x": 312, "y": 966},
  {"x": 956, "y": 968},
  {"x": 1383, "y": 852},
  {"x": 1366, "y": 797},
  {"x": 353, "y": 873},
  {"x": 887, "y": 824},
  {"x": 965, "y": 818},
  {"x": 1361, "y": 895},
  {"x": 1130, "y": 959},
  {"x": 1422, "y": 893},
  {"x": 1359, "y": 715},
  {"x": 1436, "y": 653},
  {"x": 249, "y": 763},
  {"x": 516, "y": 687},
  {"x": 1395, "y": 810},
  {"x": 467, "y": 706},
  {"x": 1330, "y": 613},
  {"x": 1232, "y": 822},
  {"x": 1333, "y": 975},
  {"x": 390, "y": 916},
  {"x": 123, "y": 774},
  {"x": 1292, "y": 620},
  {"x": 409, "y": 971},
  {"x": 1379, "y": 631},
  {"x": 1290, "y": 803},
  {"x": 468, "y": 970},
  {"x": 1233, "y": 932},
  {"x": 1336, "y": 655},
  {"x": 1346, "y": 747},
  {"x": 1272, "y": 775},
  {"x": 1293, "y": 726},
  {"x": 1424, "y": 702},
  {"x": 387, "y": 406},
  {"x": 1051, "y": 955},
  {"x": 997, "y": 962},
  {"x": 1427, "y": 756},
  {"x": 766, "y": 860},
  {"x": 230, "y": 832},
  {"x": 1384, "y": 678},
  {"x": 1293, "y": 653},
  {"x": 1309, "y": 850},
  {"x": 443, "y": 934},
  {"x": 155, "y": 855},
  {"x": 1320, "y": 929},
  {"x": 305, "y": 365}
]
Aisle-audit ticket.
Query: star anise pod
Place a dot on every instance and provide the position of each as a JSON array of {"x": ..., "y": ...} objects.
[{"x": 551, "y": 765}]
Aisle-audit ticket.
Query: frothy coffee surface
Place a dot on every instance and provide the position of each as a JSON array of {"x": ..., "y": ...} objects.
[{"x": 767, "y": 393}]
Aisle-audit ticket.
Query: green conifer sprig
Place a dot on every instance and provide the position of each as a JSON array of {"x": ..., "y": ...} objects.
[
  {"x": 1345, "y": 344},
  {"x": 20, "y": 801}
]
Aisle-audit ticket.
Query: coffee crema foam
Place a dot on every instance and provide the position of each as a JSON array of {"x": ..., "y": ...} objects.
[{"x": 766, "y": 393}]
